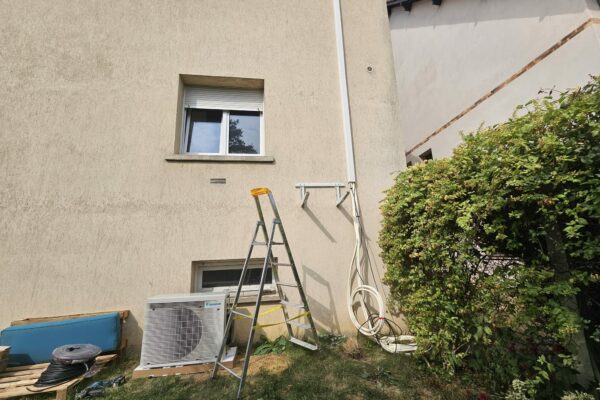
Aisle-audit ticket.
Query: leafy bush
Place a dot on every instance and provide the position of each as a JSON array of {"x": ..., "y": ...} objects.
[
  {"x": 577, "y": 396},
  {"x": 487, "y": 250}
]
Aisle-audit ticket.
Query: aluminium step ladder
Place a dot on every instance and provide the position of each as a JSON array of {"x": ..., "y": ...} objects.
[{"x": 301, "y": 308}]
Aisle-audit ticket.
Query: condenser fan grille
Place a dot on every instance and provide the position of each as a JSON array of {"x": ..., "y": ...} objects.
[{"x": 181, "y": 332}]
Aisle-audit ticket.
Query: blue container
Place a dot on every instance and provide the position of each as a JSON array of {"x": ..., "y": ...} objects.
[{"x": 33, "y": 343}]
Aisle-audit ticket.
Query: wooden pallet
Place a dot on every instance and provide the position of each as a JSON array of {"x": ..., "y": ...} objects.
[
  {"x": 17, "y": 381},
  {"x": 123, "y": 314},
  {"x": 187, "y": 369},
  {"x": 4, "y": 357},
  {"x": 4, "y": 350}
]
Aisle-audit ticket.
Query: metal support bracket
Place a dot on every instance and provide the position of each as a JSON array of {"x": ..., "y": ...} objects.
[
  {"x": 304, "y": 193},
  {"x": 339, "y": 197},
  {"x": 303, "y": 196}
]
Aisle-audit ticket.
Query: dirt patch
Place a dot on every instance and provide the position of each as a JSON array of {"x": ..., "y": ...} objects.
[
  {"x": 352, "y": 349},
  {"x": 271, "y": 363}
]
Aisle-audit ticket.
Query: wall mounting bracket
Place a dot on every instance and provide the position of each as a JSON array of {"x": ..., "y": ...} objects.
[{"x": 304, "y": 193}]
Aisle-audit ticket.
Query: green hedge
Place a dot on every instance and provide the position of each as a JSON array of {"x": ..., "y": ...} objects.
[{"x": 487, "y": 250}]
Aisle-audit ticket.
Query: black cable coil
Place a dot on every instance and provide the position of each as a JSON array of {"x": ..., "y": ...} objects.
[
  {"x": 58, "y": 373},
  {"x": 68, "y": 362}
]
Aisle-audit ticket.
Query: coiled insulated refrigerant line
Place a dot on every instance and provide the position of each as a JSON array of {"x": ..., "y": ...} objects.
[{"x": 358, "y": 272}]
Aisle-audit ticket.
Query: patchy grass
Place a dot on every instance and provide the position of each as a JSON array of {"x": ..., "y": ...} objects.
[{"x": 331, "y": 373}]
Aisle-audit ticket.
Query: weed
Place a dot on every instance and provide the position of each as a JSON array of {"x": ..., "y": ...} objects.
[
  {"x": 276, "y": 347},
  {"x": 331, "y": 339}
]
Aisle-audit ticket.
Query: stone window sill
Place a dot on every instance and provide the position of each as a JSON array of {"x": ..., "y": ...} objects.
[{"x": 219, "y": 159}]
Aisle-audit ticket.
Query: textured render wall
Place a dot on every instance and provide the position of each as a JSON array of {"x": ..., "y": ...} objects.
[
  {"x": 93, "y": 218},
  {"x": 448, "y": 57}
]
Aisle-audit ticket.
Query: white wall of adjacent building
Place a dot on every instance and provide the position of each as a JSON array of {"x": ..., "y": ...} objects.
[{"x": 448, "y": 57}]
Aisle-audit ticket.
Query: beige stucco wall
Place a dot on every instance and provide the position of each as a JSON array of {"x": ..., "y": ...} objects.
[
  {"x": 448, "y": 57},
  {"x": 93, "y": 218}
]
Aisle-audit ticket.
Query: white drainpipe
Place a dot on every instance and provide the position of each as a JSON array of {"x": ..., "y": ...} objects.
[
  {"x": 339, "y": 36},
  {"x": 357, "y": 267}
]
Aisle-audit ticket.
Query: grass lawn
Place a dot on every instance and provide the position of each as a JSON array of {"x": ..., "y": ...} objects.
[{"x": 347, "y": 371}]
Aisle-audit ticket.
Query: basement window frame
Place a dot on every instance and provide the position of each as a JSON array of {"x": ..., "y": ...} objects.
[
  {"x": 199, "y": 267},
  {"x": 224, "y": 151}
]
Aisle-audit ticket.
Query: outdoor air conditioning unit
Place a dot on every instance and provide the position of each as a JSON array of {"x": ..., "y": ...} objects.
[{"x": 183, "y": 329}]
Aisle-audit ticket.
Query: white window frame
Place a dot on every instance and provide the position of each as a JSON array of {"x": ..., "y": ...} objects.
[
  {"x": 224, "y": 134},
  {"x": 220, "y": 265}
]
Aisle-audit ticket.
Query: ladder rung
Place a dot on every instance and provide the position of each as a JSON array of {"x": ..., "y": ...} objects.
[
  {"x": 256, "y": 243},
  {"x": 297, "y": 324},
  {"x": 242, "y": 314},
  {"x": 229, "y": 370},
  {"x": 289, "y": 304},
  {"x": 278, "y": 264},
  {"x": 288, "y": 284},
  {"x": 304, "y": 344}
]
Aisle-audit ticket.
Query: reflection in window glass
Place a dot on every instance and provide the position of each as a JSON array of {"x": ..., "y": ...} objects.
[
  {"x": 244, "y": 132},
  {"x": 204, "y": 135}
]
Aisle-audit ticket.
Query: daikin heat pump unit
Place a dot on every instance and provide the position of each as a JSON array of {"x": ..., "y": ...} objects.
[{"x": 183, "y": 329}]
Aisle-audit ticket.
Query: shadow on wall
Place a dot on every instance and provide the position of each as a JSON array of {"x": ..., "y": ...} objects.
[
  {"x": 318, "y": 223},
  {"x": 241, "y": 327},
  {"x": 325, "y": 316},
  {"x": 346, "y": 214},
  {"x": 474, "y": 11},
  {"x": 132, "y": 331}
]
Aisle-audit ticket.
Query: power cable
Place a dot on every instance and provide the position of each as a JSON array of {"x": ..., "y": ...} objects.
[{"x": 68, "y": 362}]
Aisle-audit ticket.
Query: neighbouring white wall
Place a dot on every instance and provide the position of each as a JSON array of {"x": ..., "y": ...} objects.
[{"x": 448, "y": 57}]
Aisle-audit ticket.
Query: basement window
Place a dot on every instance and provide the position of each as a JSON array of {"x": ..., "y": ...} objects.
[
  {"x": 219, "y": 275},
  {"x": 222, "y": 121}
]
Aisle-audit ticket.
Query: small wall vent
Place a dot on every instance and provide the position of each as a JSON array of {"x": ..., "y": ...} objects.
[{"x": 220, "y": 181}]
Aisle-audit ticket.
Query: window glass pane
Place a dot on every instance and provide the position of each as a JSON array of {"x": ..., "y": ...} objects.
[
  {"x": 204, "y": 134},
  {"x": 244, "y": 132},
  {"x": 231, "y": 277},
  {"x": 428, "y": 155}
]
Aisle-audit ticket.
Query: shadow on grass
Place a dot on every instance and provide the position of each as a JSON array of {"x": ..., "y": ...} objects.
[
  {"x": 331, "y": 374},
  {"x": 326, "y": 374}
]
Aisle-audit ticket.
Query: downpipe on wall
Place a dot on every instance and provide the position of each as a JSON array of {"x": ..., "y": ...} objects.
[{"x": 357, "y": 287}]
